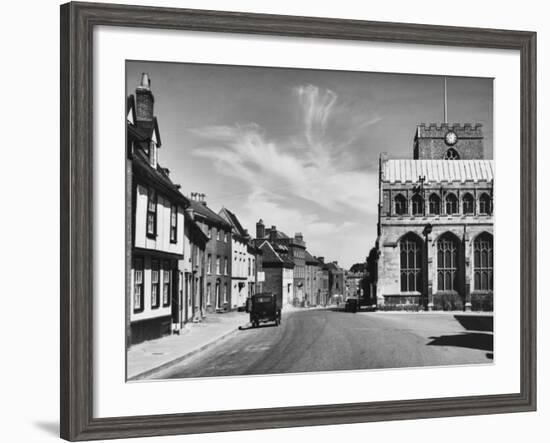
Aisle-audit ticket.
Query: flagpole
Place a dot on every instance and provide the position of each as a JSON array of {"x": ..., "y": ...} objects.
[{"x": 445, "y": 101}]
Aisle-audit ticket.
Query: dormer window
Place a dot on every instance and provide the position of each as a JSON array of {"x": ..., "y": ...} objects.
[{"x": 153, "y": 154}]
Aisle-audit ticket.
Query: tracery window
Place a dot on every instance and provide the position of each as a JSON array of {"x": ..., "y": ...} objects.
[
  {"x": 451, "y": 204},
  {"x": 417, "y": 205},
  {"x": 400, "y": 205},
  {"x": 483, "y": 262},
  {"x": 451, "y": 154},
  {"x": 447, "y": 263},
  {"x": 485, "y": 204},
  {"x": 411, "y": 263},
  {"x": 468, "y": 204},
  {"x": 434, "y": 204}
]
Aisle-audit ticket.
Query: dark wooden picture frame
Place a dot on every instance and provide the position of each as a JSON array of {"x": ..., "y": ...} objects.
[{"x": 77, "y": 23}]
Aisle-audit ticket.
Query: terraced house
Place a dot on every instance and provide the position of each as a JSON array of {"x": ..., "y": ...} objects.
[
  {"x": 243, "y": 260},
  {"x": 156, "y": 220},
  {"x": 435, "y": 222},
  {"x": 217, "y": 292}
]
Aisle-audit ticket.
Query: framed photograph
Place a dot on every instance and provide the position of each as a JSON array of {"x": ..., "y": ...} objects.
[{"x": 274, "y": 221}]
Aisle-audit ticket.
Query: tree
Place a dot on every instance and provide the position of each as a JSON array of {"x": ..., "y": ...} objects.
[{"x": 358, "y": 267}]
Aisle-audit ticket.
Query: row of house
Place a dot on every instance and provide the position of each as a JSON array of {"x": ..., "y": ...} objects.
[{"x": 188, "y": 260}]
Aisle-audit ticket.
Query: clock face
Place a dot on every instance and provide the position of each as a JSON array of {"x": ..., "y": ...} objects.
[{"x": 451, "y": 138}]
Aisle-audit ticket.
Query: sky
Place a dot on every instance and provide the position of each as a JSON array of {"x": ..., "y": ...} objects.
[{"x": 299, "y": 148}]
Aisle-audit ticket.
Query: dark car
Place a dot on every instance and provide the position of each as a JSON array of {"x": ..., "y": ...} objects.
[
  {"x": 352, "y": 304},
  {"x": 265, "y": 307}
]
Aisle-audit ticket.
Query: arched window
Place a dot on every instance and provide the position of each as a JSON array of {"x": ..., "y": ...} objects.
[
  {"x": 451, "y": 204},
  {"x": 468, "y": 204},
  {"x": 451, "y": 154},
  {"x": 400, "y": 205},
  {"x": 485, "y": 204},
  {"x": 447, "y": 263},
  {"x": 483, "y": 262},
  {"x": 435, "y": 204},
  {"x": 410, "y": 248},
  {"x": 417, "y": 205}
]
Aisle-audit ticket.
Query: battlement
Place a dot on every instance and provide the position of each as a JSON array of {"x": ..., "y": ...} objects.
[{"x": 436, "y": 130}]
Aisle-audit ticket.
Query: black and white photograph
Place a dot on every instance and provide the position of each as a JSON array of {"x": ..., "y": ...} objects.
[{"x": 286, "y": 220}]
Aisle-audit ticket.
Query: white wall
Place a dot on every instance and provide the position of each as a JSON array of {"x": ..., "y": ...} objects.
[
  {"x": 30, "y": 351},
  {"x": 162, "y": 241}
]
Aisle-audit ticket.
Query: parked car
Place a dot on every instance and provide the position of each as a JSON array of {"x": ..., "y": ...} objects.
[
  {"x": 352, "y": 304},
  {"x": 265, "y": 307}
]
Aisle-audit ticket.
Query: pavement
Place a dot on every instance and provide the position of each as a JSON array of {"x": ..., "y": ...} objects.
[
  {"x": 330, "y": 339},
  {"x": 147, "y": 358}
]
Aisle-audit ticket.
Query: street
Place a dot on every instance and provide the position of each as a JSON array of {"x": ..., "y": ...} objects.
[{"x": 330, "y": 339}]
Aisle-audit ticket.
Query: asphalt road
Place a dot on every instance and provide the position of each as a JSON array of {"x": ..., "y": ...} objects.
[{"x": 325, "y": 340}]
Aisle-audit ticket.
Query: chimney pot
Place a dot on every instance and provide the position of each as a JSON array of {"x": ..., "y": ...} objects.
[{"x": 145, "y": 82}]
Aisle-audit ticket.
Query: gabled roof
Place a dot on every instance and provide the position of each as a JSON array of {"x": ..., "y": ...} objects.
[
  {"x": 234, "y": 222},
  {"x": 271, "y": 257},
  {"x": 203, "y": 210},
  {"x": 334, "y": 267},
  {"x": 310, "y": 260},
  {"x": 437, "y": 171},
  {"x": 158, "y": 177},
  {"x": 279, "y": 235},
  {"x": 195, "y": 229}
]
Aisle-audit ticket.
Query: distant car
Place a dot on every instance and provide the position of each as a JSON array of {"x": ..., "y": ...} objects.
[
  {"x": 352, "y": 304},
  {"x": 265, "y": 307}
]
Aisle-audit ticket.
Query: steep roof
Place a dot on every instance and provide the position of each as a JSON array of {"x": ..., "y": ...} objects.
[
  {"x": 279, "y": 235},
  {"x": 157, "y": 176},
  {"x": 310, "y": 260},
  {"x": 234, "y": 221},
  {"x": 437, "y": 171},
  {"x": 271, "y": 257},
  {"x": 203, "y": 210}
]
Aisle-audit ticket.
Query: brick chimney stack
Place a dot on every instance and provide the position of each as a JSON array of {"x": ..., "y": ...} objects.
[
  {"x": 260, "y": 229},
  {"x": 144, "y": 100},
  {"x": 273, "y": 233}
]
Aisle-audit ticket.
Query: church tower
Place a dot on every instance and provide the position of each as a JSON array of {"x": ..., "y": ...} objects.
[{"x": 448, "y": 141}]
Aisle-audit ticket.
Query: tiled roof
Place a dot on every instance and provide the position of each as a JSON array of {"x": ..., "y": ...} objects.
[
  {"x": 437, "y": 170},
  {"x": 205, "y": 211},
  {"x": 143, "y": 168},
  {"x": 311, "y": 260},
  {"x": 234, "y": 221},
  {"x": 270, "y": 256}
]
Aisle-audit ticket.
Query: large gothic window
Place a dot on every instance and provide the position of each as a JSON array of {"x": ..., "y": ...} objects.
[
  {"x": 483, "y": 262},
  {"x": 451, "y": 204},
  {"x": 485, "y": 204},
  {"x": 400, "y": 205},
  {"x": 417, "y": 205},
  {"x": 468, "y": 204},
  {"x": 451, "y": 154},
  {"x": 435, "y": 204},
  {"x": 447, "y": 263},
  {"x": 411, "y": 263}
]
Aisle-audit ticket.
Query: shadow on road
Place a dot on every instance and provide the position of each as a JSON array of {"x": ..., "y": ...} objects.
[
  {"x": 265, "y": 325},
  {"x": 472, "y": 340},
  {"x": 476, "y": 322}
]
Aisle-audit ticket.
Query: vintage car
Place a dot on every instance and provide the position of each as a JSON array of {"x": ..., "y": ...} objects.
[
  {"x": 264, "y": 307},
  {"x": 352, "y": 304}
]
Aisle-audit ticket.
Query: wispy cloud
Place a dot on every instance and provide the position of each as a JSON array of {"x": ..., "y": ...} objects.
[{"x": 311, "y": 186}]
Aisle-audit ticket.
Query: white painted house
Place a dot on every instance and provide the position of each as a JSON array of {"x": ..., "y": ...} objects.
[
  {"x": 243, "y": 269},
  {"x": 157, "y": 221}
]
